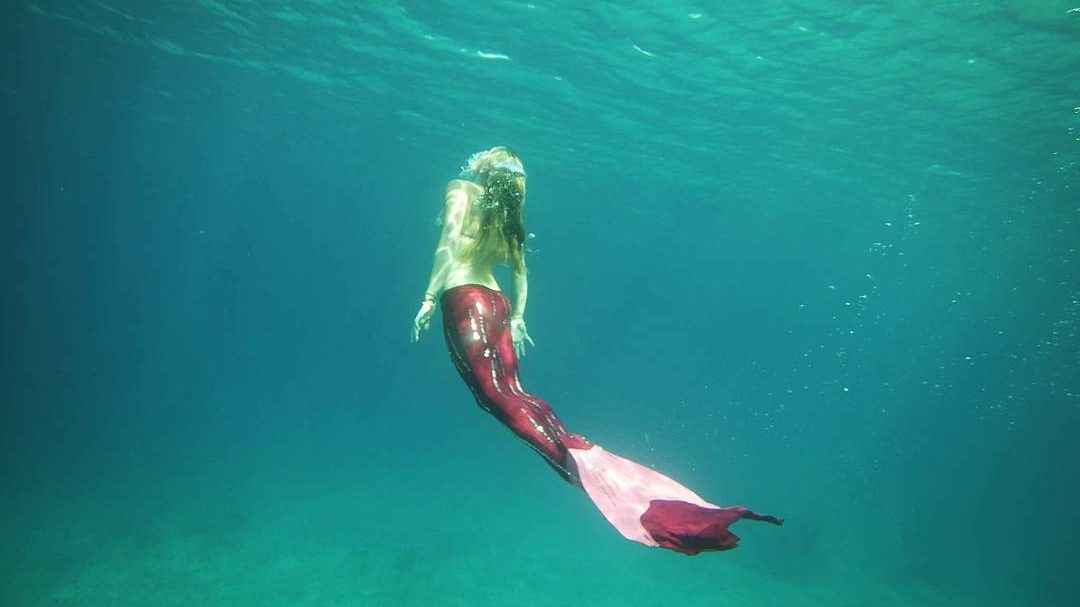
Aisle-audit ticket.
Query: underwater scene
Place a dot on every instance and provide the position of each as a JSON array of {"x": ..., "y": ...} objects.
[{"x": 816, "y": 258}]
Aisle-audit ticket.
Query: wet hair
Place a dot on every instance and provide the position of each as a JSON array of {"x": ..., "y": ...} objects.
[{"x": 501, "y": 232}]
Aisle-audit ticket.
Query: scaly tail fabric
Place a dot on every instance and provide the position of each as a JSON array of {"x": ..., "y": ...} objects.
[{"x": 642, "y": 504}]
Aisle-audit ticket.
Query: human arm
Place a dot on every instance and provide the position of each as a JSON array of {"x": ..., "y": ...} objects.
[
  {"x": 518, "y": 331},
  {"x": 457, "y": 200}
]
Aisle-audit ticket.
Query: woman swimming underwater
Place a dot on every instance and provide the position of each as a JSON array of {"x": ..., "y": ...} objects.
[{"x": 483, "y": 225}]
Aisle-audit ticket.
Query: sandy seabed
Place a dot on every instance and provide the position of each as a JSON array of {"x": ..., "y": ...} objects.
[{"x": 383, "y": 542}]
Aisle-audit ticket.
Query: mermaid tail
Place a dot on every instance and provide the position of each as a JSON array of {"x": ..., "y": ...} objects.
[{"x": 642, "y": 504}]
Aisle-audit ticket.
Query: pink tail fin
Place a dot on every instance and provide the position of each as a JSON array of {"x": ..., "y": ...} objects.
[{"x": 651, "y": 508}]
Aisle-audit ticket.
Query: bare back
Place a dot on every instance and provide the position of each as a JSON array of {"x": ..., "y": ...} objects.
[{"x": 461, "y": 226}]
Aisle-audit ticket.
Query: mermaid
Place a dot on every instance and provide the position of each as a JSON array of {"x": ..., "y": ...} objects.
[{"x": 483, "y": 225}]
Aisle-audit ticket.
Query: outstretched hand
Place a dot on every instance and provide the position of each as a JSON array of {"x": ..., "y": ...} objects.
[
  {"x": 423, "y": 319},
  {"x": 520, "y": 336}
]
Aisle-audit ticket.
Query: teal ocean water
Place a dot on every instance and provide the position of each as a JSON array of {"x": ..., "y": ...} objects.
[{"x": 816, "y": 258}]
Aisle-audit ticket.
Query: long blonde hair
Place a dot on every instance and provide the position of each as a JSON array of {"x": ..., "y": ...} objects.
[{"x": 501, "y": 231}]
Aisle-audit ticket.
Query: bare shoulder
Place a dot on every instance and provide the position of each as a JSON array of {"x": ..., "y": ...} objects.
[
  {"x": 461, "y": 185},
  {"x": 459, "y": 192},
  {"x": 457, "y": 203}
]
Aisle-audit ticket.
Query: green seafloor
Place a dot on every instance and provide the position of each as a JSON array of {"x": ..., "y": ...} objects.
[{"x": 816, "y": 258}]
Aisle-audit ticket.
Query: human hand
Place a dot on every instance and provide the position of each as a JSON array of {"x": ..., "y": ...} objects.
[
  {"x": 520, "y": 335},
  {"x": 423, "y": 319}
]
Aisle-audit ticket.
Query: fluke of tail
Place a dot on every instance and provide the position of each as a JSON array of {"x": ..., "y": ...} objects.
[{"x": 648, "y": 507}]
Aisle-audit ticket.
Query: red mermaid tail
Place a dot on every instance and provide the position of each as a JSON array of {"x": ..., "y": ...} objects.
[{"x": 644, "y": 505}]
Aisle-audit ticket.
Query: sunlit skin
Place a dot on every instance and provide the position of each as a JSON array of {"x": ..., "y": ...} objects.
[{"x": 450, "y": 267}]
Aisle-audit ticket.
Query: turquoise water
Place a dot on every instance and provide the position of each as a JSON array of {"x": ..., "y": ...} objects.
[{"x": 816, "y": 258}]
